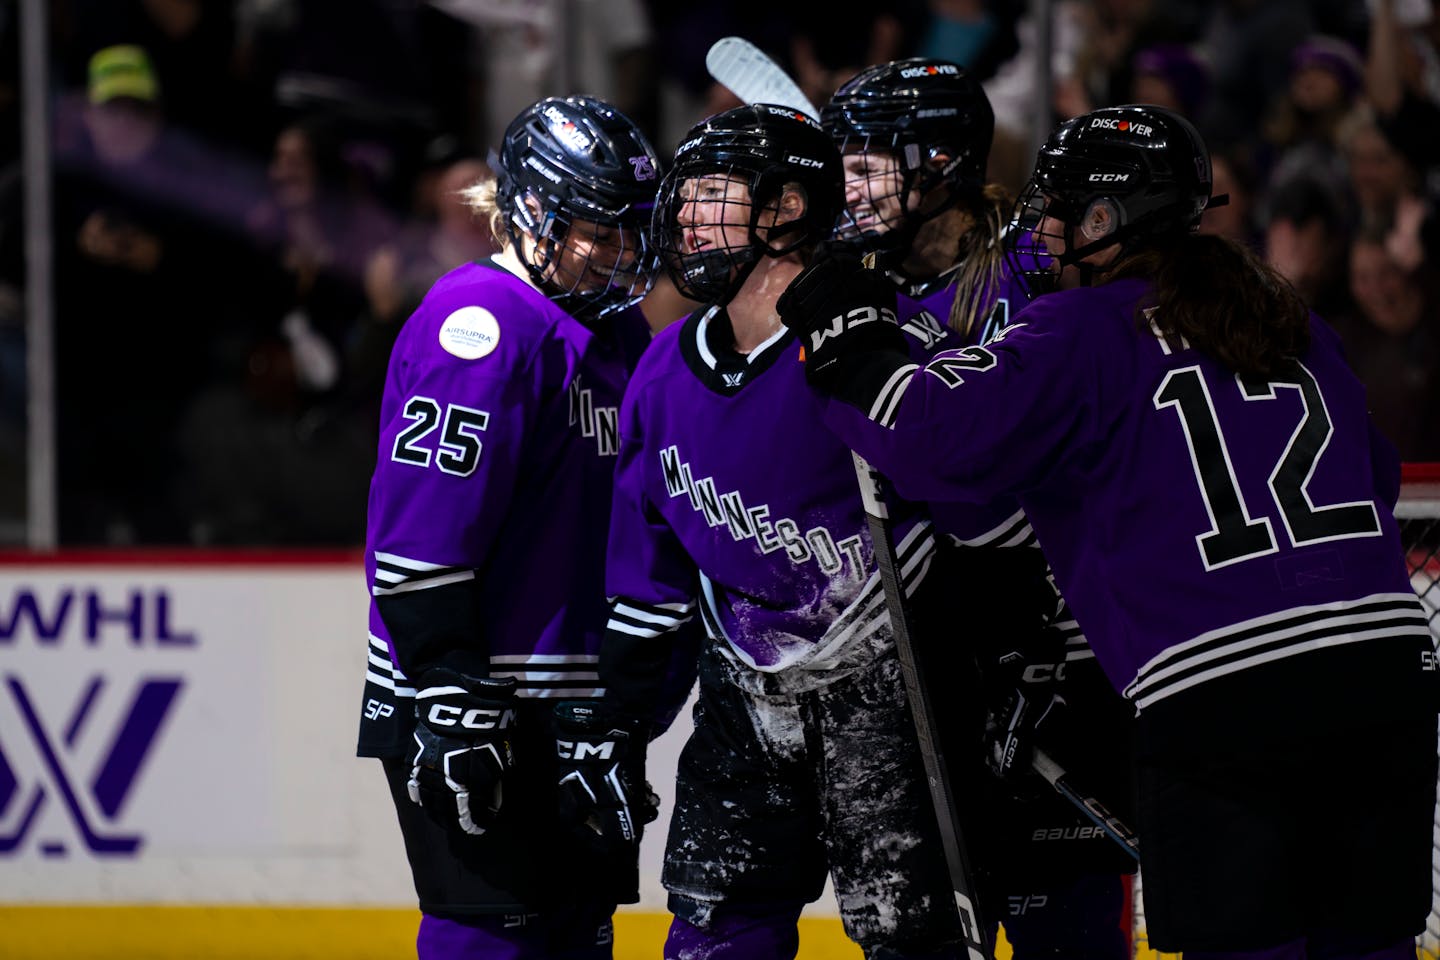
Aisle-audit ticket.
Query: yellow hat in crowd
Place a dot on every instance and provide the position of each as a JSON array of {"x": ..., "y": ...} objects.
[{"x": 122, "y": 71}]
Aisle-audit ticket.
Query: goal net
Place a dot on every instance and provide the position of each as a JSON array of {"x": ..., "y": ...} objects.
[{"x": 1418, "y": 513}]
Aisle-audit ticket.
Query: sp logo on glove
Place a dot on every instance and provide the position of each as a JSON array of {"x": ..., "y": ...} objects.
[{"x": 463, "y": 747}]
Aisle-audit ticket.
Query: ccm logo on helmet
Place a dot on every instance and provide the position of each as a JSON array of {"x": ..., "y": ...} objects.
[
  {"x": 1110, "y": 123},
  {"x": 929, "y": 70},
  {"x": 805, "y": 162},
  {"x": 1109, "y": 177}
]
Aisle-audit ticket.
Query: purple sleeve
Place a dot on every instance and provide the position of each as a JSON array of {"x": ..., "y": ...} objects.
[
  {"x": 645, "y": 560},
  {"x": 453, "y": 440},
  {"x": 982, "y": 421},
  {"x": 646, "y": 659}
]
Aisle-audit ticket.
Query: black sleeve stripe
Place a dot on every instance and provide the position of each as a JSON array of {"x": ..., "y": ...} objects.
[
  {"x": 1013, "y": 531},
  {"x": 868, "y": 611},
  {"x": 645, "y": 620},
  {"x": 396, "y": 574},
  {"x": 710, "y": 618},
  {"x": 635, "y": 657},
  {"x": 1285, "y": 633},
  {"x": 887, "y": 401},
  {"x": 381, "y": 671},
  {"x": 549, "y": 676}
]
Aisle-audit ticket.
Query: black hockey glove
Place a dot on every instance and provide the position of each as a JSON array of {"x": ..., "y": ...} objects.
[
  {"x": 604, "y": 798},
  {"x": 844, "y": 316},
  {"x": 463, "y": 750},
  {"x": 1022, "y": 689}
]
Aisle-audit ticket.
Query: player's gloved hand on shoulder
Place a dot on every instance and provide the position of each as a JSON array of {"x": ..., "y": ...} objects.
[
  {"x": 604, "y": 798},
  {"x": 463, "y": 747},
  {"x": 1023, "y": 692},
  {"x": 843, "y": 315}
]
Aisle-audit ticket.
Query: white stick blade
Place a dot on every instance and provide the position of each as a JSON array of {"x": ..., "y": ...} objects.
[{"x": 746, "y": 71}]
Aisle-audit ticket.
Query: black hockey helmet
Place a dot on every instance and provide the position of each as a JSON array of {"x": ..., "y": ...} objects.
[
  {"x": 579, "y": 158},
  {"x": 766, "y": 148},
  {"x": 1117, "y": 176},
  {"x": 917, "y": 109}
]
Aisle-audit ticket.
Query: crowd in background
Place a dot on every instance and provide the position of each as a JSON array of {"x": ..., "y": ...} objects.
[{"x": 250, "y": 196}]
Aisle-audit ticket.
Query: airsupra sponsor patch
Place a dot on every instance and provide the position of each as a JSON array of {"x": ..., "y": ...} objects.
[{"x": 470, "y": 333}]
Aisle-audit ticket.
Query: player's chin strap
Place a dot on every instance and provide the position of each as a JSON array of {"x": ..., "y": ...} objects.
[
  {"x": 746, "y": 260},
  {"x": 708, "y": 275}
]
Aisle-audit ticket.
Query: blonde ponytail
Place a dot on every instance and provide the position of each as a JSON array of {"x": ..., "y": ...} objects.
[{"x": 982, "y": 256}]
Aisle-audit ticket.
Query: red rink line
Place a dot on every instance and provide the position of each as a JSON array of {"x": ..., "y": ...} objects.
[
  {"x": 184, "y": 557},
  {"x": 1420, "y": 472},
  {"x": 1411, "y": 473}
]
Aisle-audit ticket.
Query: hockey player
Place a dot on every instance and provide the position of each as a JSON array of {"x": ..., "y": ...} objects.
[
  {"x": 914, "y": 136},
  {"x": 730, "y": 506},
  {"x": 1197, "y": 461},
  {"x": 487, "y": 522}
]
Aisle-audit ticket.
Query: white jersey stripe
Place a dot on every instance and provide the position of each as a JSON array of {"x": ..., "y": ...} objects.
[
  {"x": 545, "y": 658},
  {"x": 419, "y": 566},
  {"x": 882, "y": 411},
  {"x": 1274, "y": 636},
  {"x": 458, "y": 577}
]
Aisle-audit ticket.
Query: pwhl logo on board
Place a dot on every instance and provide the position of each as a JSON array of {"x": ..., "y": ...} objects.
[
  {"x": 107, "y": 787},
  {"x": 78, "y": 760}
]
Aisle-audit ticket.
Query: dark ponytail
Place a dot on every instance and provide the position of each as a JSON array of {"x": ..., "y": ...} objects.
[{"x": 1222, "y": 299}]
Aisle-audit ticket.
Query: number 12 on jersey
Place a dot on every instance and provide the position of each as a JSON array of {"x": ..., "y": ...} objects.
[{"x": 1234, "y": 535}]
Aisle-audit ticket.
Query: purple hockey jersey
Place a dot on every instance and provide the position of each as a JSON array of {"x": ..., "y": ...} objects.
[
  {"x": 999, "y": 304},
  {"x": 1257, "y": 516},
  {"x": 490, "y": 500},
  {"x": 728, "y": 497},
  {"x": 1000, "y": 522}
]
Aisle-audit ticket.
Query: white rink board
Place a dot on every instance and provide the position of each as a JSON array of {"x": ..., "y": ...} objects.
[{"x": 238, "y": 688}]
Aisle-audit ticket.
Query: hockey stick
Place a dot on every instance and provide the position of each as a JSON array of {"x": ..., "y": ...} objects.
[
  {"x": 745, "y": 70},
  {"x": 978, "y": 941},
  {"x": 1113, "y": 826},
  {"x": 755, "y": 78}
]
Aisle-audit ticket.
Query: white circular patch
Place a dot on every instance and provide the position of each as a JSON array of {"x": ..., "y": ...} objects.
[{"x": 470, "y": 333}]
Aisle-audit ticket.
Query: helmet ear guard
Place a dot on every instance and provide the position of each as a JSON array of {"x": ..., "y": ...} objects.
[
  {"x": 796, "y": 225},
  {"x": 1102, "y": 218},
  {"x": 1122, "y": 176}
]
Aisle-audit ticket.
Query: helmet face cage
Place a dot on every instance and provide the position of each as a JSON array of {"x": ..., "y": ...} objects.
[
  {"x": 1026, "y": 248},
  {"x": 577, "y": 179},
  {"x": 880, "y": 186},
  {"x": 713, "y": 217},
  {"x": 894, "y": 122},
  {"x": 718, "y": 203},
  {"x": 1121, "y": 176}
]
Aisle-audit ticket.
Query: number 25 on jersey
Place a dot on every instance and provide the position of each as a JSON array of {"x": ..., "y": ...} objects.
[{"x": 456, "y": 451}]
